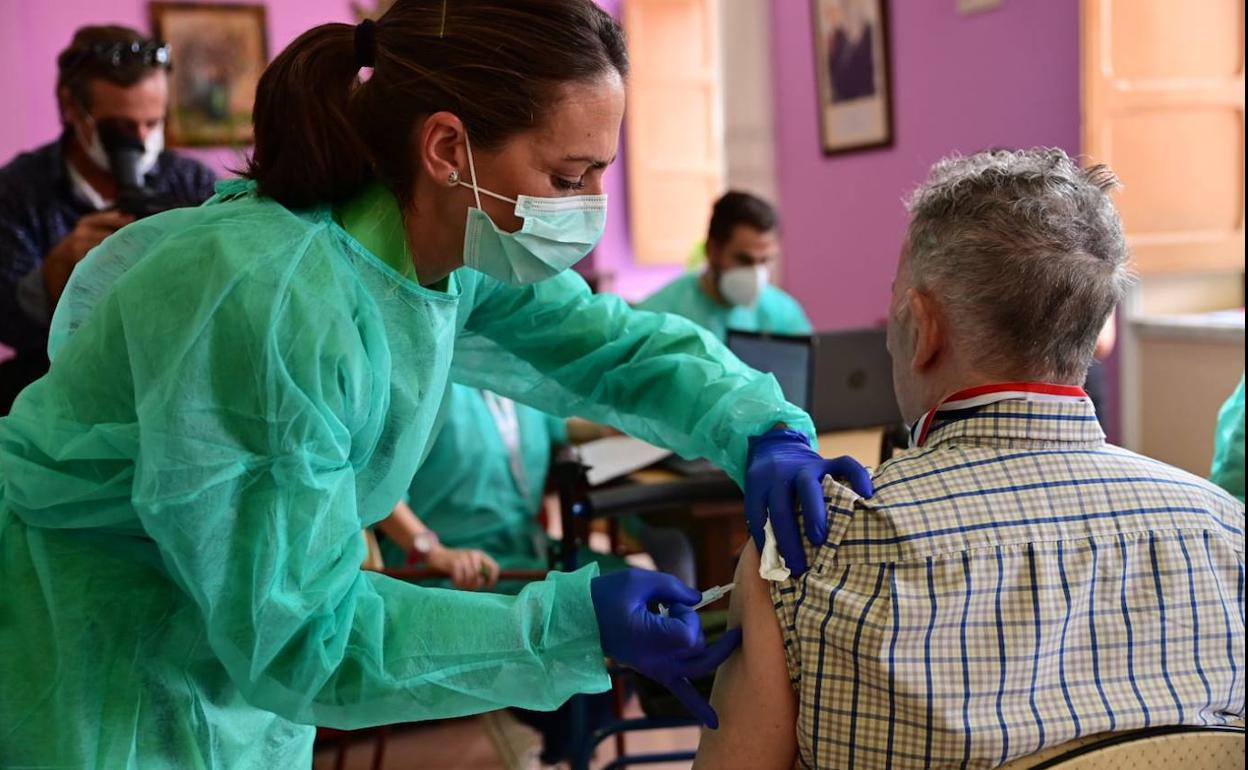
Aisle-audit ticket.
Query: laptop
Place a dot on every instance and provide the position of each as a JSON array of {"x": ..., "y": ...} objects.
[
  {"x": 853, "y": 378},
  {"x": 843, "y": 379},
  {"x": 790, "y": 358}
]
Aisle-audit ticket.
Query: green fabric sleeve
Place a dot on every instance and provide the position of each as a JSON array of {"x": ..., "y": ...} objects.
[
  {"x": 558, "y": 430},
  {"x": 557, "y": 347},
  {"x": 1228, "y": 451}
]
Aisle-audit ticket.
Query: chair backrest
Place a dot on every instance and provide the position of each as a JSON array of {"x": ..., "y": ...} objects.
[{"x": 1185, "y": 747}]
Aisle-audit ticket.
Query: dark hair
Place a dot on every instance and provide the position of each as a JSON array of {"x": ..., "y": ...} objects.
[
  {"x": 85, "y": 60},
  {"x": 321, "y": 133},
  {"x": 740, "y": 208}
]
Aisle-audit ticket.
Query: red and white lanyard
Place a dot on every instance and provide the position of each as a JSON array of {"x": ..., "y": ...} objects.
[{"x": 984, "y": 395}]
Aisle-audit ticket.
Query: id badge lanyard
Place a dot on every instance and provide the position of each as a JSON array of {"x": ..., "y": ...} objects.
[{"x": 503, "y": 410}]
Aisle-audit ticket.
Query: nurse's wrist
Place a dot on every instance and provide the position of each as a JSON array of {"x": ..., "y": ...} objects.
[{"x": 424, "y": 545}]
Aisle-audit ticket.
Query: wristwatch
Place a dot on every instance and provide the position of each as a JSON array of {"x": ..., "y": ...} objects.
[{"x": 423, "y": 545}]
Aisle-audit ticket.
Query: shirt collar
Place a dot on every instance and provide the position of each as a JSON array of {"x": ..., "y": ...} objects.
[
  {"x": 1011, "y": 412},
  {"x": 83, "y": 190}
]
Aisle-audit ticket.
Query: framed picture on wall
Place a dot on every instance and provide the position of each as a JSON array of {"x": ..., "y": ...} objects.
[
  {"x": 218, "y": 51},
  {"x": 852, "y": 65}
]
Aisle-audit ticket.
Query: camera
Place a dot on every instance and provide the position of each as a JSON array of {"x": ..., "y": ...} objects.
[{"x": 125, "y": 153}]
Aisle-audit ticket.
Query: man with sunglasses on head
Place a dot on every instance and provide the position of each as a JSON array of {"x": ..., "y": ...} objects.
[{"x": 59, "y": 201}]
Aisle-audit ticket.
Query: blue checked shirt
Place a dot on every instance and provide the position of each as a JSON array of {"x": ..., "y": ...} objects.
[{"x": 1014, "y": 584}]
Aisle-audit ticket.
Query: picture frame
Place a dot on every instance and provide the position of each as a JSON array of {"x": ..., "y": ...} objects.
[
  {"x": 853, "y": 74},
  {"x": 218, "y": 52}
]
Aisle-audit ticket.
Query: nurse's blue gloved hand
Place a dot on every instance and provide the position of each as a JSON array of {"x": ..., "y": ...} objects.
[
  {"x": 670, "y": 650},
  {"x": 782, "y": 467}
]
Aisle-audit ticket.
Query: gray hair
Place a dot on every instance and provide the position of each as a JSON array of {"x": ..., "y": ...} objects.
[{"x": 1025, "y": 252}]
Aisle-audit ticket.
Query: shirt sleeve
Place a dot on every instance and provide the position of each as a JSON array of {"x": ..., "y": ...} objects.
[
  {"x": 787, "y": 595},
  {"x": 252, "y": 421},
  {"x": 558, "y": 428},
  {"x": 191, "y": 181},
  {"x": 559, "y": 348}
]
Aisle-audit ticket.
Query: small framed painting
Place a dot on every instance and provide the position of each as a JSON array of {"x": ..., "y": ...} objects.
[
  {"x": 219, "y": 51},
  {"x": 852, "y": 65}
]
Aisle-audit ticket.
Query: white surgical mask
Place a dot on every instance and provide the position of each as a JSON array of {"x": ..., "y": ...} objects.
[
  {"x": 153, "y": 145},
  {"x": 557, "y": 233},
  {"x": 742, "y": 286}
]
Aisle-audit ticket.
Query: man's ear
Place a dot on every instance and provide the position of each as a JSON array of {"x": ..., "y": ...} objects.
[
  {"x": 714, "y": 252},
  {"x": 927, "y": 327},
  {"x": 65, "y": 104}
]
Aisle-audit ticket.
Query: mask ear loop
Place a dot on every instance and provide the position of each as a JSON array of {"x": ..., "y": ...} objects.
[
  {"x": 476, "y": 188},
  {"x": 472, "y": 169}
]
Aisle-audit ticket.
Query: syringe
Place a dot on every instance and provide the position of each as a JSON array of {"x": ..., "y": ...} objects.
[{"x": 710, "y": 595}]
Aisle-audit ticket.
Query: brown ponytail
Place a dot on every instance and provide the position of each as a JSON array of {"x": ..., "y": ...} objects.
[
  {"x": 306, "y": 148},
  {"x": 321, "y": 133}
]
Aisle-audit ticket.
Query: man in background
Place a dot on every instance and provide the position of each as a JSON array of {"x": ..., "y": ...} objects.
[
  {"x": 735, "y": 290},
  {"x": 58, "y": 201}
]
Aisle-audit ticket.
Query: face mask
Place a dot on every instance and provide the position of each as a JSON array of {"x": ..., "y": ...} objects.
[
  {"x": 94, "y": 147},
  {"x": 152, "y": 147},
  {"x": 557, "y": 233},
  {"x": 742, "y": 286}
]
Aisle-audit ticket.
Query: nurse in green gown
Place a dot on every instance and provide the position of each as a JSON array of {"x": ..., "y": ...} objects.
[
  {"x": 237, "y": 390},
  {"x": 479, "y": 491}
]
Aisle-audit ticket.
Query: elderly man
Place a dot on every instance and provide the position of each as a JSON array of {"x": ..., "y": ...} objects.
[{"x": 1015, "y": 582}]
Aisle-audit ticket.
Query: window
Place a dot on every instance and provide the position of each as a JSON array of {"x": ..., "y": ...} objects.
[{"x": 674, "y": 124}]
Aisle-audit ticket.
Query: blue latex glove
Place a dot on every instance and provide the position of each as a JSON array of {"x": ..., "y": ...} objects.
[
  {"x": 782, "y": 467},
  {"x": 670, "y": 650}
]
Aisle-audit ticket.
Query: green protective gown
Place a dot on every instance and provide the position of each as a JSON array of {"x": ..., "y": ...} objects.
[
  {"x": 236, "y": 391},
  {"x": 1228, "y": 448},
  {"x": 466, "y": 491},
  {"x": 775, "y": 312}
]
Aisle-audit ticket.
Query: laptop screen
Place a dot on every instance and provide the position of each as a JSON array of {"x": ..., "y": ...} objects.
[{"x": 788, "y": 358}]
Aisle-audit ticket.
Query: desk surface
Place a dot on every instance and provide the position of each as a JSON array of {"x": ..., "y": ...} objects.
[{"x": 862, "y": 445}]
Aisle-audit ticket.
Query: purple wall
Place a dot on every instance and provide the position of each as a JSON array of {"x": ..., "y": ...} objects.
[
  {"x": 960, "y": 83},
  {"x": 33, "y": 33}
]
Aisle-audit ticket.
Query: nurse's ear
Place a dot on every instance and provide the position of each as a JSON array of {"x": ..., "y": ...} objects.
[{"x": 439, "y": 147}]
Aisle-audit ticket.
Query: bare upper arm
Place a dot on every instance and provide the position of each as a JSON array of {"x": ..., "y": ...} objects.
[{"x": 756, "y": 704}]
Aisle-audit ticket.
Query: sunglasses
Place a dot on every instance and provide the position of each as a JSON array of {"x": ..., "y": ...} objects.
[{"x": 149, "y": 53}]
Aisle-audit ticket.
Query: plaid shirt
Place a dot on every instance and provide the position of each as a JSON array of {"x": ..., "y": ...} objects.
[{"x": 1014, "y": 583}]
